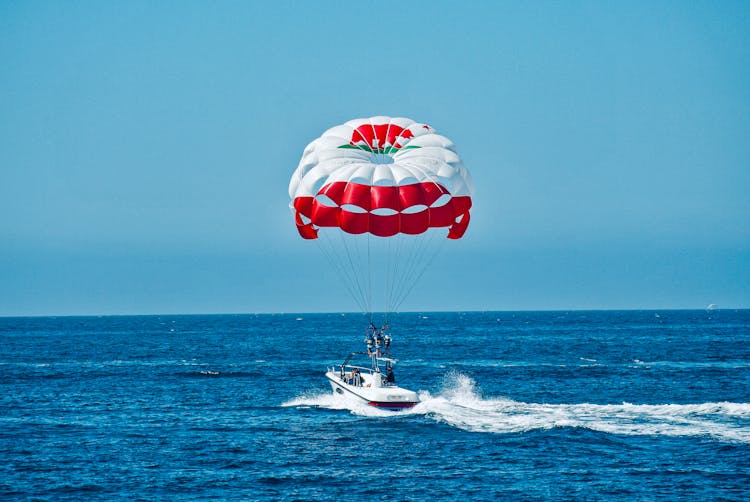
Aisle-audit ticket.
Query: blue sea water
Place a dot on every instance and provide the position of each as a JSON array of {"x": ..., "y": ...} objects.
[{"x": 515, "y": 405}]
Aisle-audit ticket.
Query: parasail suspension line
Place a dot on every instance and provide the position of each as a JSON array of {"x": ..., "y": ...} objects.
[
  {"x": 346, "y": 278},
  {"x": 421, "y": 272}
]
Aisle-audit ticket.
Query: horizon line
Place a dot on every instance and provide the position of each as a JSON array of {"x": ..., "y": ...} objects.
[{"x": 365, "y": 314}]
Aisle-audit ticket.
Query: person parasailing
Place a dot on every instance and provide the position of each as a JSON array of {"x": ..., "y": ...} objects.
[
  {"x": 370, "y": 338},
  {"x": 385, "y": 330},
  {"x": 378, "y": 343}
]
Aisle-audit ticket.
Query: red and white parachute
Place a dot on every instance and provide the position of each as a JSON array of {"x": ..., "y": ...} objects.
[{"x": 381, "y": 176}]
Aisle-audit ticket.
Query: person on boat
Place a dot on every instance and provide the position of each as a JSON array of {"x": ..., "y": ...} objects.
[
  {"x": 357, "y": 378},
  {"x": 389, "y": 377}
]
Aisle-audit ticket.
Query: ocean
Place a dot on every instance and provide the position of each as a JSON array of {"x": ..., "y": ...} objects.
[{"x": 601, "y": 405}]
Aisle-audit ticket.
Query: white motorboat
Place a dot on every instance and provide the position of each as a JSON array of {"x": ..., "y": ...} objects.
[{"x": 373, "y": 385}]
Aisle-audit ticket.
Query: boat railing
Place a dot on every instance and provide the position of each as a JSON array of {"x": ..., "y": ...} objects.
[{"x": 345, "y": 370}]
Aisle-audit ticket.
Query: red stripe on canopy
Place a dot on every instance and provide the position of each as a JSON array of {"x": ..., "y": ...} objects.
[{"x": 454, "y": 214}]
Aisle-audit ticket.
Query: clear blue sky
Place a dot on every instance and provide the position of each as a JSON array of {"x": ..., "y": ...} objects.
[{"x": 146, "y": 148}]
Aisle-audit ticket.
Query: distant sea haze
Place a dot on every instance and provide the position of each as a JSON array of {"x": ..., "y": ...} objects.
[{"x": 617, "y": 405}]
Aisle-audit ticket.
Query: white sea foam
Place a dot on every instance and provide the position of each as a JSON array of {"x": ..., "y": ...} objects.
[
  {"x": 332, "y": 401},
  {"x": 460, "y": 404}
]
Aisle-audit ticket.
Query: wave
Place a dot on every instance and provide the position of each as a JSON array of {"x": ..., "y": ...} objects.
[
  {"x": 219, "y": 374},
  {"x": 587, "y": 362},
  {"x": 459, "y": 404},
  {"x": 101, "y": 364}
]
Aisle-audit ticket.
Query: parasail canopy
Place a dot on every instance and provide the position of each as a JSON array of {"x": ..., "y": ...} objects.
[
  {"x": 392, "y": 178},
  {"x": 383, "y": 176}
]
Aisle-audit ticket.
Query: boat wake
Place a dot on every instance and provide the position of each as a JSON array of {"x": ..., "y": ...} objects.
[
  {"x": 331, "y": 401},
  {"x": 460, "y": 405}
]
